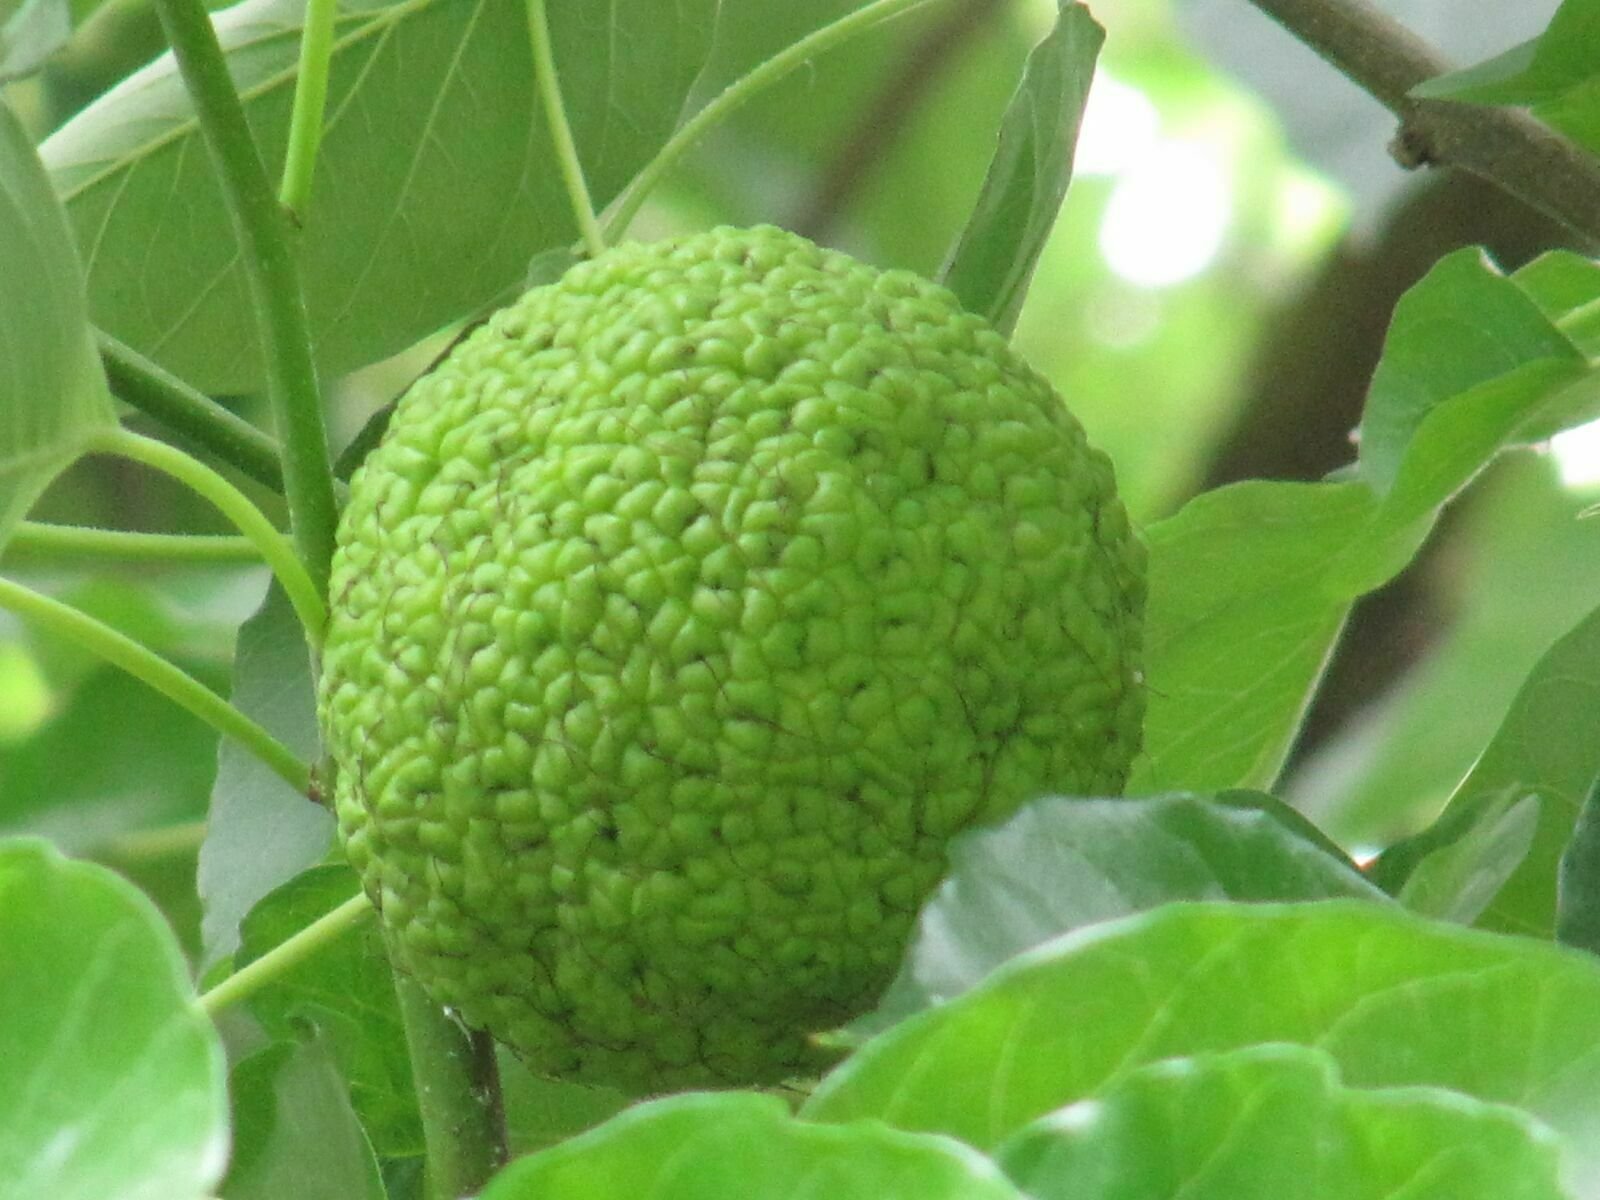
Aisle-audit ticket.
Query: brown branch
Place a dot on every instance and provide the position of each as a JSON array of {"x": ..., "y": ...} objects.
[
  {"x": 884, "y": 119},
  {"x": 1505, "y": 146}
]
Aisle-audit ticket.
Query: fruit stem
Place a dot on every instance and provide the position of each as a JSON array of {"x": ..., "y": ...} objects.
[
  {"x": 237, "y": 507},
  {"x": 736, "y": 93},
  {"x": 141, "y": 383},
  {"x": 261, "y": 226},
  {"x": 176, "y": 684},
  {"x": 555, "y": 111},
  {"x": 458, "y": 1095},
  {"x": 310, "y": 99},
  {"x": 288, "y": 953},
  {"x": 38, "y": 537}
]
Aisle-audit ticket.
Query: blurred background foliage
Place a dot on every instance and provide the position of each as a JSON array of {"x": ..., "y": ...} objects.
[{"x": 1211, "y": 305}]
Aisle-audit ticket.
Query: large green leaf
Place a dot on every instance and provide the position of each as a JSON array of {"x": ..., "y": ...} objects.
[
  {"x": 1060, "y": 864},
  {"x": 52, "y": 392},
  {"x": 1274, "y": 1123},
  {"x": 993, "y": 260},
  {"x": 1395, "y": 1000},
  {"x": 1250, "y": 584},
  {"x": 740, "y": 1146},
  {"x": 111, "y": 1081},
  {"x": 297, "y": 1136},
  {"x": 435, "y": 181},
  {"x": 261, "y": 832},
  {"x": 346, "y": 990}
]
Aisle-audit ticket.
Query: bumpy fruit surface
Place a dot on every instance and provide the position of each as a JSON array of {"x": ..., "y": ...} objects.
[{"x": 681, "y": 617}]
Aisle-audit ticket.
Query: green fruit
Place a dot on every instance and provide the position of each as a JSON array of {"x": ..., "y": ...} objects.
[{"x": 682, "y": 616}]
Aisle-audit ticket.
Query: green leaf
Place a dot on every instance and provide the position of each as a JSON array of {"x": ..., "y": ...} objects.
[
  {"x": 1457, "y": 881},
  {"x": 1555, "y": 75},
  {"x": 741, "y": 1146},
  {"x": 1060, "y": 864},
  {"x": 541, "y": 1112},
  {"x": 262, "y": 832},
  {"x": 1250, "y": 584},
  {"x": 111, "y": 1081},
  {"x": 1395, "y": 1000},
  {"x": 346, "y": 991},
  {"x": 52, "y": 392},
  {"x": 1565, "y": 286},
  {"x": 993, "y": 260},
  {"x": 416, "y": 220},
  {"x": 31, "y": 32},
  {"x": 1548, "y": 747},
  {"x": 1275, "y": 1122},
  {"x": 1578, "y": 890},
  {"x": 296, "y": 1133}
]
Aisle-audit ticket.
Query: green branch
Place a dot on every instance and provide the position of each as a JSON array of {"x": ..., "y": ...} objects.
[
  {"x": 288, "y": 953},
  {"x": 736, "y": 93},
  {"x": 544, "y": 70},
  {"x": 37, "y": 537},
  {"x": 310, "y": 98},
  {"x": 458, "y": 1095},
  {"x": 261, "y": 225},
  {"x": 236, "y": 506},
  {"x": 150, "y": 668},
  {"x": 138, "y": 382}
]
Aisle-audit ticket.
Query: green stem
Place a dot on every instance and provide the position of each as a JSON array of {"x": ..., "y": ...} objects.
[
  {"x": 146, "y": 845},
  {"x": 286, "y": 954},
  {"x": 262, "y": 228},
  {"x": 310, "y": 98},
  {"x": 180, "y": 687},
  {"x": 36, "y": 537},
  {"x": 141, "y": 383},
  {"x": 736, "y": 93},
  {"x": 544, "y": 69},
  {"x": 458, "y": 1095},
  {"x": 234, "y": 505}
]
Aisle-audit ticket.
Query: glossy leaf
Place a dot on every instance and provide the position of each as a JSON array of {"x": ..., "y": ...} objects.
[
  {"x": 741, "y": 1146},
  {"x": 1457, "y": 881},
  {"x": 1393, "y": 999},
  {"x": 1250, "y": 584},
  {"x": 346, "y": 991},
  {"x": 993, "y": 260},
  {"x": 52, "y": 392},
  {"x": 261, "y": 832},
  {"x": 1274, "y": 1123},
  {"x": 111, "y": 1082},
  {"x": 1060, "y": 864},
  {"x": 297, "y": 1135}
]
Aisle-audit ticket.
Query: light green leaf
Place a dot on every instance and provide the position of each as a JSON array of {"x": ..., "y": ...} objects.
[
  {"x": 297, "y": 1136},
  {"x": 345, "y": 990},
  {"x": 993, "y": 260},
  {"x": 1274, "y": 1123},
  {"x": 52, "y": 392},
  {"x": 435, "y": 184},
  {"x": 740, "y": 1146},
  {"x": 1250, "y": 584},
  {"x": 111, "y": 1081},
  {"x": 1060, "y": 864},
  {"x": 1459, "y": 880},
  {"x": 1395, "y": 1000},
  {"x": 261, "y": 832}
]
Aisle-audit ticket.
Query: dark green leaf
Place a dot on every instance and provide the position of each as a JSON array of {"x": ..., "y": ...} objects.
[
  {"x": 52, "y": 392},
  {"x": 1578, "y": 881},
  {"x": 541, "y": 1112},
  {"x": 739, "y": 1146},
  {"x": 347, "y": 992},
  {"x": 1457, "y": 881},
  {"x": 261, "y": 832},
  {"x": 1395, "y": 1000},
  {"x": 993, "y": 260},
  {"x": 1274, "y": 1123},
  {"x": 296, "y": 1136},
  {"x": 111, "y": 1081},
  {"x": 1060, "y": 864}
]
